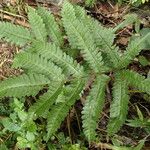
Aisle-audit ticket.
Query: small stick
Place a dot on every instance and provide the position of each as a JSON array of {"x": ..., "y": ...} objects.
[{"x": 17, "y": 21}]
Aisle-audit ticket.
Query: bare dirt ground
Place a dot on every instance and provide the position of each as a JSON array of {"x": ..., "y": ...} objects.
[{"x": 6, "y": 56}]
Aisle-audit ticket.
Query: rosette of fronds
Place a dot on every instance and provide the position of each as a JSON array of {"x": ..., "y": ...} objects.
[{"x": 47, "y": 66}]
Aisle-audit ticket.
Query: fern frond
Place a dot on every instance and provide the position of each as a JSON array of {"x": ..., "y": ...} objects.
[
  {"x": 90, "y": 2},
  {"x": 133, "y": 49},
  {"x": 51, "y": 25},
  {"x": 103, "y": 37},
  {"x": 14, "y": 34},
  {"x": 55, "y": 54},
  {"x": 24, "y": 85},
  {"x": 37, "y": 25},
  {"x": 93, "y": 107},
  {"x": 79, "y": 37},
  {"x": 37, "y": 64},
  {"x": 58, "y": 113},
  {"x": 128, "y": 19},
  {"x": 119, "y": 106},
  {"x": 136, "y": 80},
  {"x": 42, "y": 106}
]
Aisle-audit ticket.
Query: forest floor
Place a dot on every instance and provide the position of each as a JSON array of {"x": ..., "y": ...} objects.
[{"x": 109, "y": 14}]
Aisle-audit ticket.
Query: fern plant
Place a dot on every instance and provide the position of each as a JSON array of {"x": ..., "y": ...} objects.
[{"x": 47, "y": 66}]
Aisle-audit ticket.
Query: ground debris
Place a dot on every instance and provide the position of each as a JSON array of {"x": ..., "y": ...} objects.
[{"x": 6, "y": 56}]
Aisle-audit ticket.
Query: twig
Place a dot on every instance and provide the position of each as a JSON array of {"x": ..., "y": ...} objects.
[
  {"x": 11, "y": 14},
  {"x": 17, "y": 21},
  {"x": 14, "y": 17},
  {"x": 104, "y": 146}
]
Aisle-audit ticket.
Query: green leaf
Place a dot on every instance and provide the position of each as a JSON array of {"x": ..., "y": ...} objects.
[
  {"x": 135, "y": 123},
  {"x": 3, "y": 147},
  {"x": 79, "y": 37},
  {"x": 90, "y": 2},
  {"x": 56, "y": 55},
  {"x": 24, "y": 85},
  {"x": 42, "y": 106},
  {"x": 14, "y": 34},
  {"x": 30, "y": 125},
  {"x": 30, "y": 136},
  {"x": 22, "y": 142},
  {"x": 140, "y": 145},
  {"x": 103, "y": 37},
  {"x": 140, "y": 115},
  {"x": 58, "y": 112},
  {"x": 93, "y": 107},
  {"x": 143, "y": 61},
  {"x": 119, "y": 105},
  {"x": 51, "y": 25},
  {"x": 136, "y": 80},
  {"x": 37, "y": 25},
  {"x": 129, "y": 19},
  {"x": 10, "y": 125},
  {"x": 37, "y": 64},
  {"x": 146, "y": 43},
  {"x": 134, "y": 48}
]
